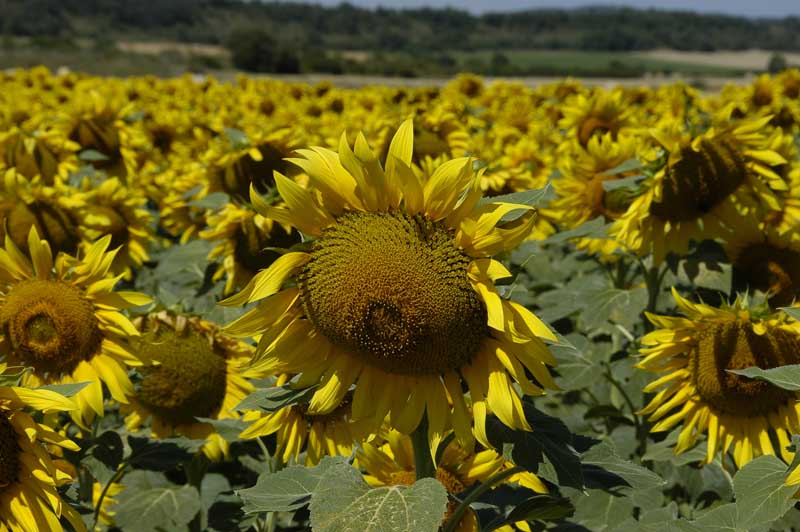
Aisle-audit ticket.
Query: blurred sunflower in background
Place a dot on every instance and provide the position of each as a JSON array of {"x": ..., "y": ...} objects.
[
  {"x": 45, "y": 153},
  {"x": 695, "y": 353},
  {"x": 243, "y": 240},
  {"x": 190, "y": 370},
  {"x": 113, "y": 209},
  {"x": 29, "y": 475},
  {"x": 62, "y": 318},
  {"x": 349, "y": 319}
]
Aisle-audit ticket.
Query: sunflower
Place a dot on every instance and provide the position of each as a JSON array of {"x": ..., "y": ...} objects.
[
  {"x": 191, "y": 369},
  {"x": 43, "y": 153},
  {"x": 351, "y": 318},
  {"x": 331, "y": 434},
  {"x": 63, "y": 319},
  {"x": 767, "y": 260},
  {"x": 582, "y": 195},
  {"x": 694, "y": 353},
  {"x": 53, "y": 210},
  {"x": 711, "y": 185},
  {"x": 243, "y": 238},
  {"x": 113, "y": 209},
  {"x": 29, "y": 475},
  {"x": 392, "y": 464},
  {"x": 595, "y": 112}
]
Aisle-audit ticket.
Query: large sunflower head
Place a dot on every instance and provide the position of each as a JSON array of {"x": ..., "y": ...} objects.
[
  {"x": 695, "y": 353},
  {"x": 63, "y": 320},
  {"x": 190, "y": 370},
  {"x": 710, "y": 184},
  {"x": 396, "y": 294},
  {"x": 29, "y": 475}
]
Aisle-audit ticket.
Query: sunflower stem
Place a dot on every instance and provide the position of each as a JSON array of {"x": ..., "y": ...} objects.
[
  {"x": 117, "y": 476},
  {"x": 195, "y": 471},
  {"x": 423, "y": 461},
  {"x": 475, "y": 494}
]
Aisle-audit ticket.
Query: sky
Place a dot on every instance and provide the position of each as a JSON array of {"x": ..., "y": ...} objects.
[{"x": 748, "y": 8}]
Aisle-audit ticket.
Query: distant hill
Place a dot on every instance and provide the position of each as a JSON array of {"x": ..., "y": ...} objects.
[{"x": 351, "y": 28}]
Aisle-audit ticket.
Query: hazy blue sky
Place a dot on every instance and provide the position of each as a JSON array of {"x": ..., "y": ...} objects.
[{"x": 752, "y": 8}]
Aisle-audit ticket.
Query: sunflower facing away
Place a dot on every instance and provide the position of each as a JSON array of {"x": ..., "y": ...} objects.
[
  {"x": 29, "y": 476},
  {"x": 711, "y": 185},
  {"x": 751, "y": 417},
  {"x": 191, "y": 369},
  {"x": 396, "y": 294},
  {"x": 63, "y": 319}
]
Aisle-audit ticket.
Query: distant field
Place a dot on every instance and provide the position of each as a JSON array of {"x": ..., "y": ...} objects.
[{"x": 588, "y": 63}]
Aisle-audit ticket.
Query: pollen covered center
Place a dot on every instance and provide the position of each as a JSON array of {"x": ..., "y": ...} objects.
[
  {"x": 393, "y": 289},
  {"x": 735, "y": 345},
  {"x": 50, "y": 326},
  {"x": 186, "y": 380},
  {"x": 9, "y": 452},
  {"x": 703, "y": 178}
]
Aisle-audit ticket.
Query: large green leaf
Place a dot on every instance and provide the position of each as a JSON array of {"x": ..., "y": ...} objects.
[
  {"x": 164, "y": 508},
  {"x": 288, "y": 489},
  {"x": 344, "y": 502},
  {"x": 761, "y": 496},
  {"x": 604, "y": 455},
  {"x": 786, "y": 377}
]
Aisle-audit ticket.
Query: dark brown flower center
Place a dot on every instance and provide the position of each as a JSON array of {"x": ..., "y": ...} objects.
[
  {"x": 771, "y": 269},
  {"x": 393, "y": 289},
  {"x": 9, "y": 452},
  {"x": 734, "y": 345},
  {"x": 700, "y": 180},
  {"x": 50, "y": 326}
]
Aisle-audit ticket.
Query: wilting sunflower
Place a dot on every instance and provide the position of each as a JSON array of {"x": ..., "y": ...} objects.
[
  {"x": 190, "y": 370},
  {"x": 397, "y": 294},
  {"x": 711, "y": 185},
  {"x": 243, "y": 238},
  {"x": 63, "y": 319},
  {"x": 749, "y": 416},
  {"x": 113, "y": 209},
  {"x": 392, "y": 464},
  {"x": 29, "y": 476},
  {"x": 331, "y": 434}
]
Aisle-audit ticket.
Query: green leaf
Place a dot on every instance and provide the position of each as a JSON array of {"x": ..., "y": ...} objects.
[
  {"x": 344, "y": 502},
  {"x": 104, "y": 456},
  {"x": 616, "y": 306},
  {"x": 237, "y": 137},
  {"x": 719, "y": 519},
  {"x": 630, "y": 183},
  {"x": 604, "y": 455},
  {"x": 229, "y": 429},
  {"x": 597, "y": 228},
  {"x": 627, "y": 166},
  {"x": 761, "y": 496},
  {"x": 598, "y": 510},
  {"x": 92, "y": 155},
  {"x": 161, "y": 455},
  {"x": 213, "y": 202},
  {"x": 786, "y": 377},
  {"x": 67, "y": 390},
  {"x": 793, "y": 312},
  {"x": 12, "y": 375},
  {"x": 541, "y": 508},
  {"x": 550, "y": 437},
  {"x": 158, "y": 509},
  {"x": 538, "y": 197},
  {"x": 288, "y": 489},
  {"x": 277, "y": 397}
]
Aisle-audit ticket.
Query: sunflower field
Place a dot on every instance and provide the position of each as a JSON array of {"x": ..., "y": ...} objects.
[{"x": 270, "y": 306}]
